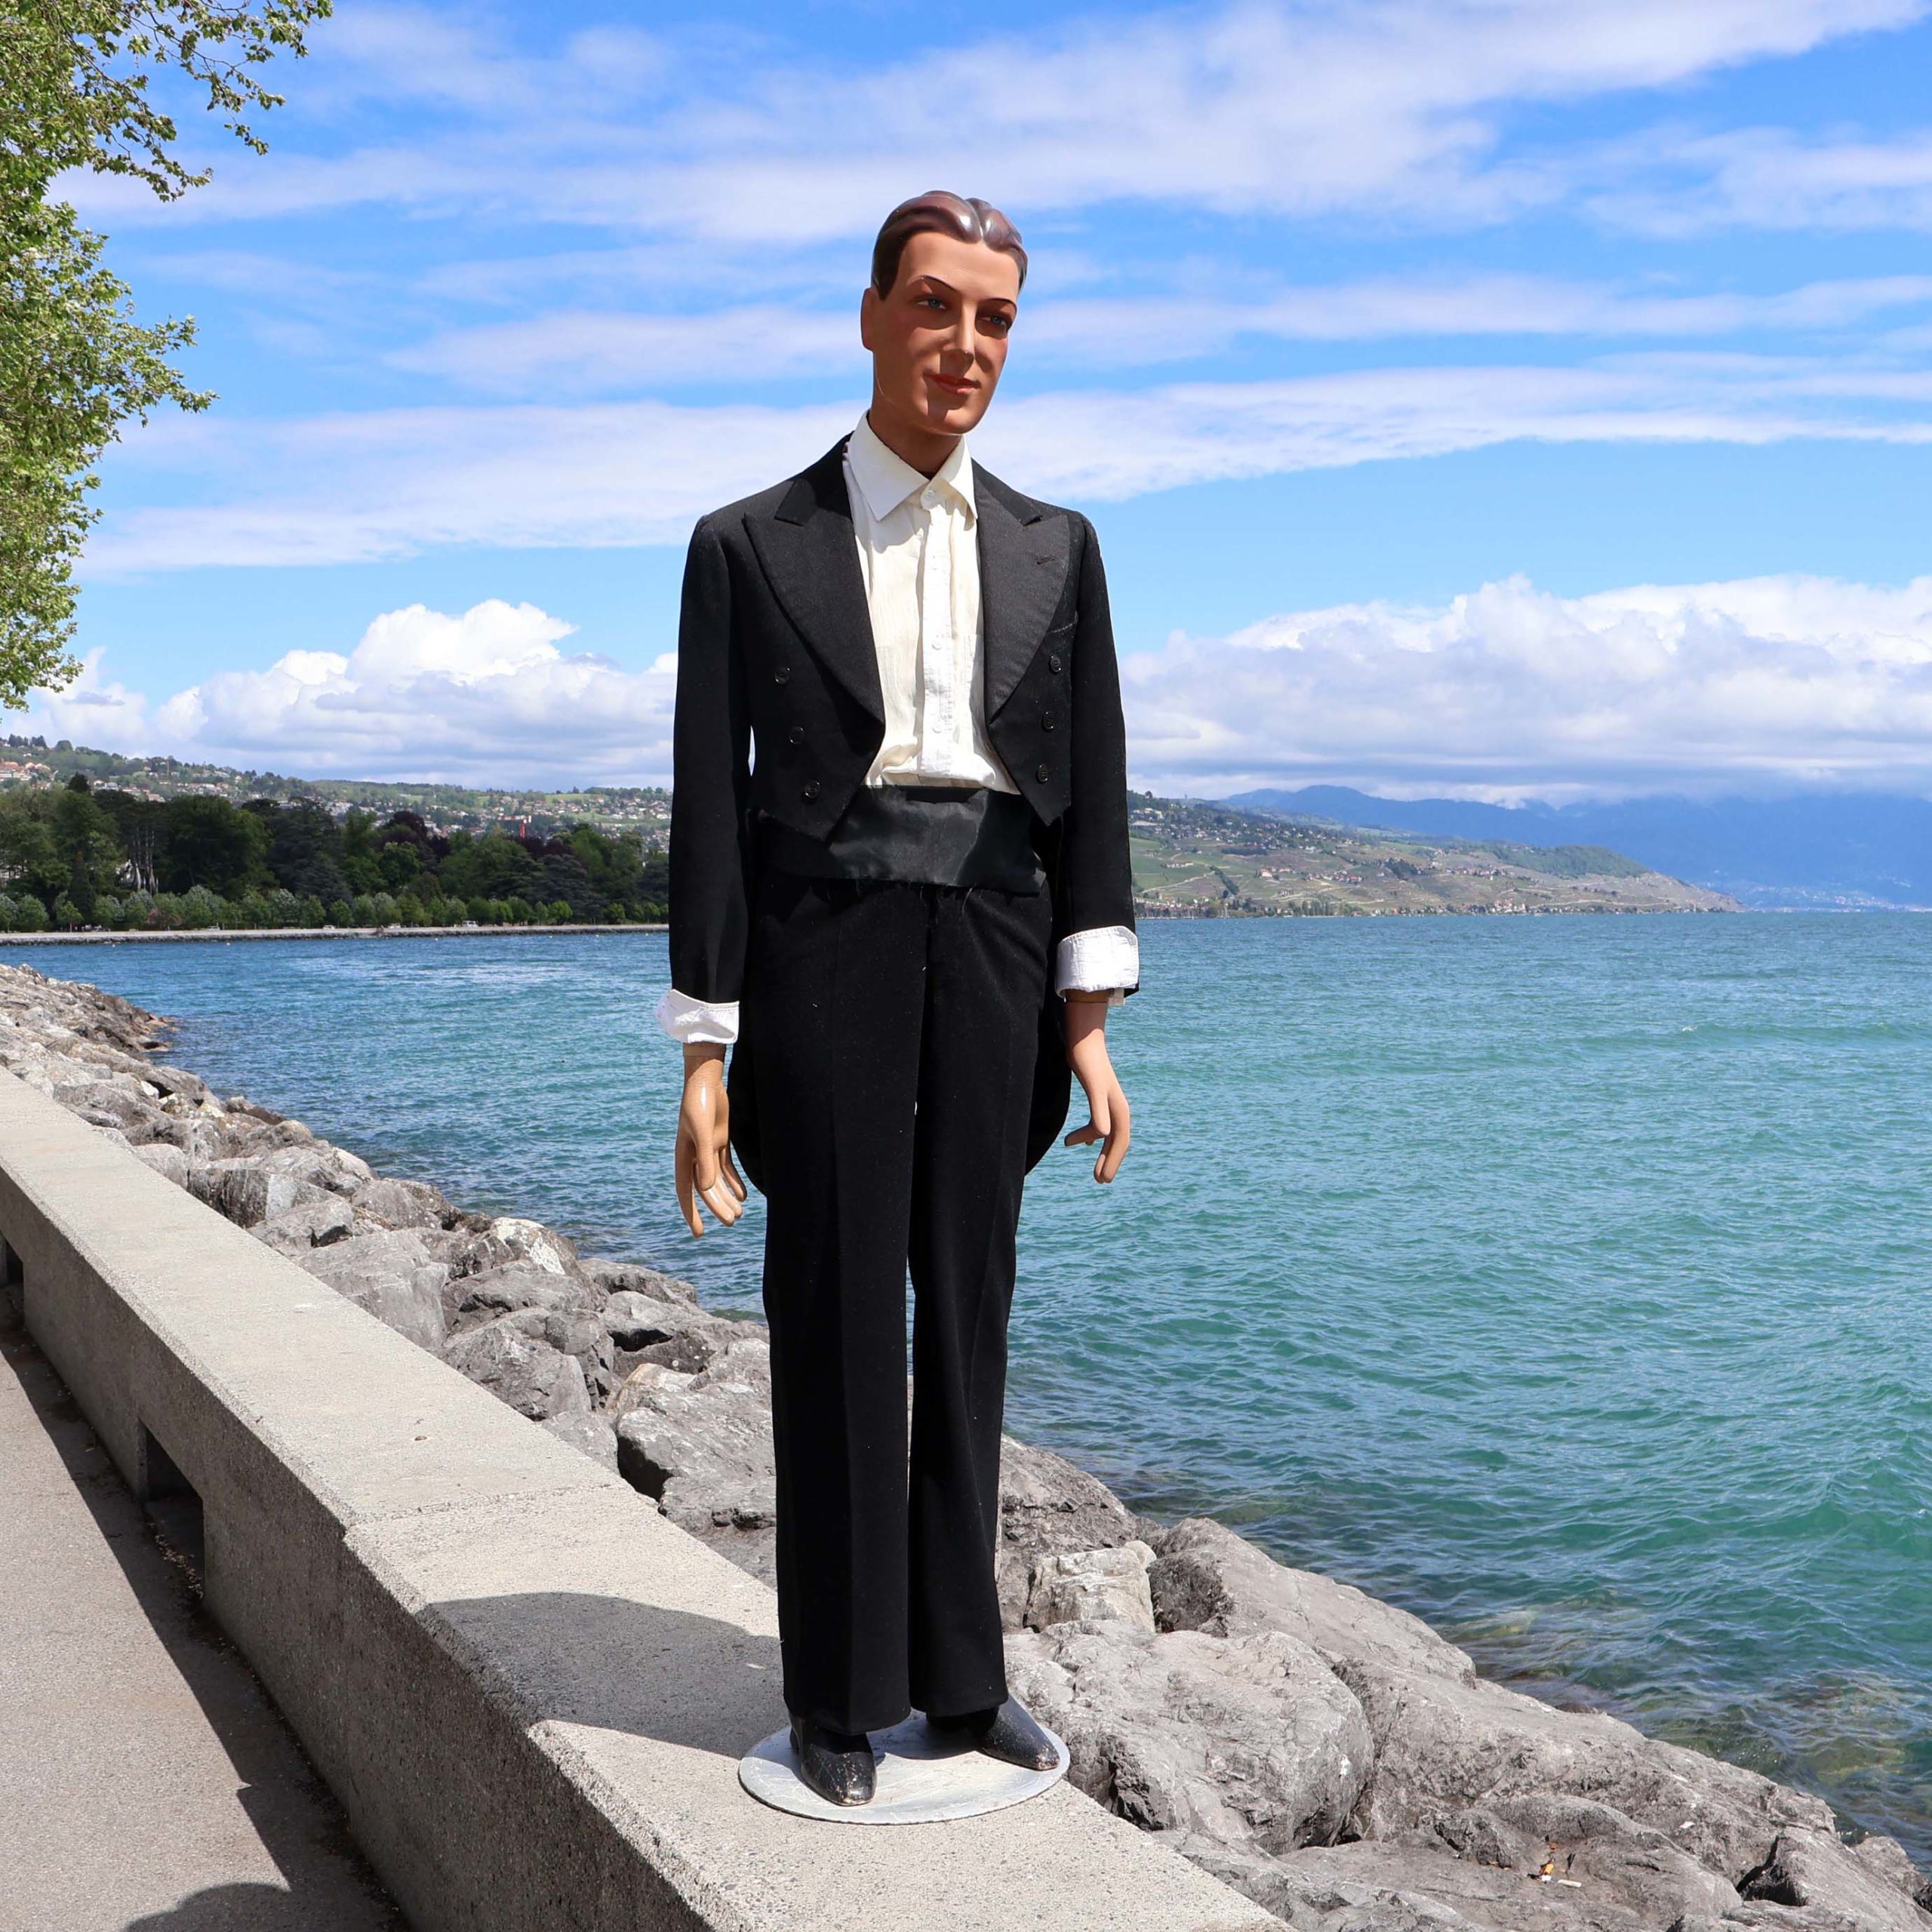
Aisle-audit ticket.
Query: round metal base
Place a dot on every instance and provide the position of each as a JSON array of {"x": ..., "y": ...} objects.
[{"x": 924, "y": 1776}]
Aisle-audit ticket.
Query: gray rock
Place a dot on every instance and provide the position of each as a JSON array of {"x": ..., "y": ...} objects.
[
  {"x": 1817, "y": 1870},
  {"x": 1305, "y": 1890},
  {"x": 1205, "y": 1577},
  {"x": 479, "y": 1245},
  {"x": 674, "y": 1334},
  {"x": 521, "y": 1284},
  {"x": 615, "y": 1277},
  {"x": 520, "y": 1369},
  {"x": 403, "y": 1204},
  {"x": 320, "y": 1165},
  {"x": 391, "y": 1275},
  {"x": 166, "y": 1159},
  {"x": 1046, "y": 1505},
  {"x": 1251, "y": 1741},
  {"x": 319, "y": 1223},
  {"x": 1091, "y": 1586},
  {"x": 248, "y": 1193},
  {"x": 1443, "y": 1745},
  {"x": 591, "y": 1434},
  {"x": 701, "y": 1445}
]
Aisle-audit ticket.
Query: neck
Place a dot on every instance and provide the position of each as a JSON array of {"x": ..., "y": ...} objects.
[{"x": 920, "y": 448}]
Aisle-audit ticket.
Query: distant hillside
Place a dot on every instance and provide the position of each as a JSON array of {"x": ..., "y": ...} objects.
[
  {"x": 1851, "y": 849},
  {"x": 641, "y": 808},
  {"x": 1193, "y": 858},
  {"x": 1190, "y": 858}
]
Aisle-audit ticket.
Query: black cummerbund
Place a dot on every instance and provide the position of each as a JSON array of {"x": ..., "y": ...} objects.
[{"x": 919, "y": 834}]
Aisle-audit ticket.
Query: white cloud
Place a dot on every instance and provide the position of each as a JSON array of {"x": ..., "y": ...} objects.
[
  {"x": 1510, "y": 692},
  {"x": 486, "y": 698},
  {"x": 387, "y": 484},
  {"x": 1297, "y": 107},
  {"x": 1507, "y": 693},
  {"x": 1769, "y": 178},
  {"x": 580, "y": 352}
]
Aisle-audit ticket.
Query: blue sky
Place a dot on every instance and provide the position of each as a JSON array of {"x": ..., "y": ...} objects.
[{"x": 1506, "y": 396}]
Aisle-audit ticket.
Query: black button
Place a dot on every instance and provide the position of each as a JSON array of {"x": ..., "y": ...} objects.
[
  {"x": 796, "y": 736},
  {"x": 1053, "y": 662},
  {"x": 1049, "y": 722},
  {"x": 781, "y": 674},
  {"x": 812, "y": 788},
  {"x": 1041, "y": 773}
]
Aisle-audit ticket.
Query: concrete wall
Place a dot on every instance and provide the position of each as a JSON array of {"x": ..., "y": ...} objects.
[{"x": 529, "y": 1691}]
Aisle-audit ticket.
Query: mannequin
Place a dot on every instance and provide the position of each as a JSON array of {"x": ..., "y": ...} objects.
[{"x": 907, "y": 920}]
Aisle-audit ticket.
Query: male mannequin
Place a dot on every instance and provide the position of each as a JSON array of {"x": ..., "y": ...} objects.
[{"x": 911, "y": 917}]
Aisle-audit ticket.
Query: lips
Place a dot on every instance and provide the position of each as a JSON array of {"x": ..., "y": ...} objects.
[{"x": 954, "y": 385}]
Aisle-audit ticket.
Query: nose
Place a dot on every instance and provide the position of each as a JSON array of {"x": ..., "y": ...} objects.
[{"x": 965, "y": 333}]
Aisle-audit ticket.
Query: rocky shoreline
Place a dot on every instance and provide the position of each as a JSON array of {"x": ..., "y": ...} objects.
[{"x": 1328, "y": 1754}]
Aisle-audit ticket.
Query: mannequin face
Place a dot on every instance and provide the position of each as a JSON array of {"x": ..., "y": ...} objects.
[{"x": 938, "y": 341}]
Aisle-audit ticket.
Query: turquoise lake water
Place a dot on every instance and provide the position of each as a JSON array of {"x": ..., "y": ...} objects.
[{"x": 1564, "y": 1280}]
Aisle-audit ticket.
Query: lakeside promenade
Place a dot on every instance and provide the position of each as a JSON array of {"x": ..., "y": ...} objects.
[{"x": 150, "y": 1785}]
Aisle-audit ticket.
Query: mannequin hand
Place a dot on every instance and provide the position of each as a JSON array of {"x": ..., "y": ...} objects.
[
  {"x": 703, "y": 1161},
  {"x": 1109, "y": 1121}
]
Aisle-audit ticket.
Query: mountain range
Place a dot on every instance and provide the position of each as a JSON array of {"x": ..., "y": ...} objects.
[{"x": 1844, "y": 850}]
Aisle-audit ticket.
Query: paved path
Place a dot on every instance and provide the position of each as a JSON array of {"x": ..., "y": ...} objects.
[{"x": 146, "y": 1785}]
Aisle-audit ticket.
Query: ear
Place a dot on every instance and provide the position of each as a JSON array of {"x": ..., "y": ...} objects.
[{"x": 868, "y": 310}]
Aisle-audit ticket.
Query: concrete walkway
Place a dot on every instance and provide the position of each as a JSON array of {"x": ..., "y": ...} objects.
[{"x": 145, "y": 1783}]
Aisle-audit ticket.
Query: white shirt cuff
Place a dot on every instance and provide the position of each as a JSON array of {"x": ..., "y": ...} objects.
[
  {"x": 1102, "y": 959},
  {"x": 693, "y": 1021}
]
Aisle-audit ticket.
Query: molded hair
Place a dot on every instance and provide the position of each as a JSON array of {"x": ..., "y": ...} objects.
[{"x": 965, "y": 217}]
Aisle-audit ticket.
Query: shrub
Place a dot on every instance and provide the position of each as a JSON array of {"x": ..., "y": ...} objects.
[
  {"x": 30, "y": 915},
  {"x": 341, "y": 914}
]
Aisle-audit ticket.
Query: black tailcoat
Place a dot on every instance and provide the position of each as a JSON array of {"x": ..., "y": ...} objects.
[{"x": 775, "y": 651}]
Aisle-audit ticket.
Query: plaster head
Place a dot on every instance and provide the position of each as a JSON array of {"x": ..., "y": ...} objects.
[{"x": 946, "y": 277}]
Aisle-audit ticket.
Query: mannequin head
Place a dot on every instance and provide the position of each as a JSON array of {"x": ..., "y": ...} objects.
[{"x": 946, "y": 276}]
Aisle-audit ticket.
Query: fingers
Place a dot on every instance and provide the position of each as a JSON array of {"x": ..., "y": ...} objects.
[
  {"x": 1082, "y": 1137},
  {"x": 732, "y": 1176},
  {"x": 686, "y": 1205},
  {"x": 1115, "y": 1151}
]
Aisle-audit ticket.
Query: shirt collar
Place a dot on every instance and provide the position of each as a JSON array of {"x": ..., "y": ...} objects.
[{"x": 886, "y": 481}]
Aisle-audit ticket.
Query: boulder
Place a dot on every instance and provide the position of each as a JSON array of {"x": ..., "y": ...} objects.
[
  {"x": 403, "y": 1204},
  {"x": 319, "y": 1223},
  {"x": 1046, "y": 1505},
  {"x": 674, "y": 1334},
  {"x": 520, "y": 1369},
  {"x": 249, "y": 1193},
  {"x": 615, "y": 1277},
  {"x": 591, "y": 1434},
  {"x": 701, "y": 1445},
  {"x": 166, "y": 1159},
  {"x": 1091, "y": 1586},
  {"x": 391, "y": 1275},
  {"x": 479, "y": 1245},
  {"x": 521, "y": 1284},
  {"x": 320, "y": 1165},
  {"x": 1817, "y": 1870},
  {"x": 1251, "y": 1741},
  {"x": 1205, "y": 1577},
  {"x": 1443, "y": 1745}
]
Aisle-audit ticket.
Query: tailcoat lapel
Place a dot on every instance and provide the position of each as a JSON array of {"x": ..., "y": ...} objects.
[
  {"x": 1024, "y": 556},
  {"x": 810, "y": 559}
]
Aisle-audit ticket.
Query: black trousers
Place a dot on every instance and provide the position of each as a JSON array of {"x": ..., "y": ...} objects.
[{"x": 894, "y": 1030}]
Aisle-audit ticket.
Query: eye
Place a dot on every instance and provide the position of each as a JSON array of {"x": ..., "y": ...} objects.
[{"x": 996, "y": 324}]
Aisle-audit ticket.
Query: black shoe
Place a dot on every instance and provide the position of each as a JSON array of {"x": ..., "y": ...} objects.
[
  {"x": 837, "y": 1764},
  {"x": 1007, "y": 1732}
]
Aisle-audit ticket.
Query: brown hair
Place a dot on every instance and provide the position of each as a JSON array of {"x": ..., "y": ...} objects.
[{"x": 965, "y": 217}]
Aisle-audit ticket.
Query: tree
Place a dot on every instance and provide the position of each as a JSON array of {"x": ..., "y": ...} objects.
[
  {"x": 74, "y": 361},
  {"x": 211, "y": 843}
]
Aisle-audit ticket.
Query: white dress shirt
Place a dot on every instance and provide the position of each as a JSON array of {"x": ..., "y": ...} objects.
[{"x": 919, "y": 555}]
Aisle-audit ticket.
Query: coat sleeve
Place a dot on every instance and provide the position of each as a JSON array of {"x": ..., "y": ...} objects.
[
  {"x": 1094, "y": 887},
  {"x": 710, "y": 785}
]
